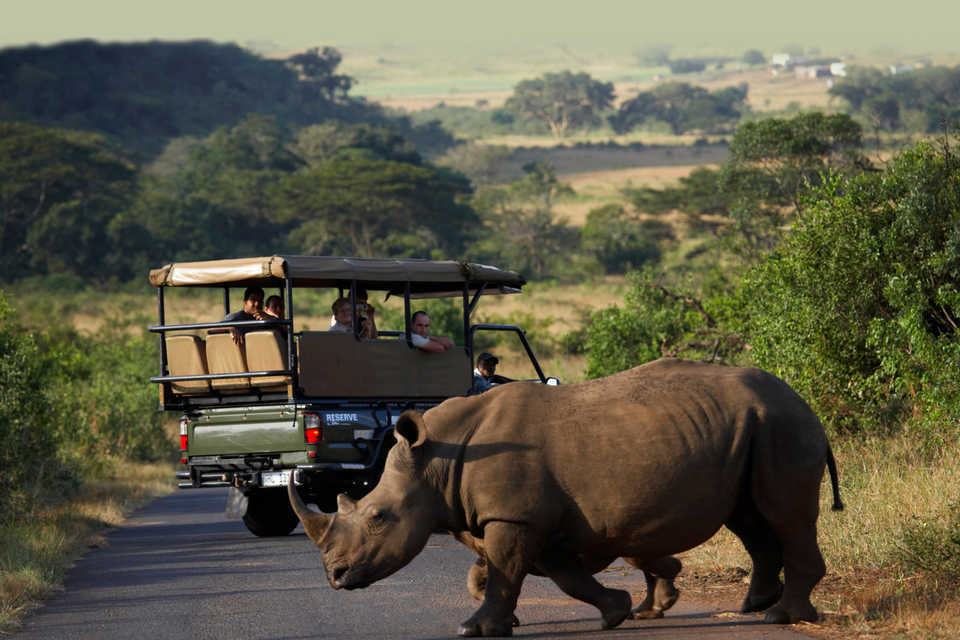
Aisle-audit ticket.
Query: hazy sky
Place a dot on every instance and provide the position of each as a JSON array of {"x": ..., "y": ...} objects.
[{"x": 915, "y": 25}]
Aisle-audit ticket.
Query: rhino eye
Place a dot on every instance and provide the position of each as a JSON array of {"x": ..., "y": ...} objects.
[{"x": 377, "y": 521}]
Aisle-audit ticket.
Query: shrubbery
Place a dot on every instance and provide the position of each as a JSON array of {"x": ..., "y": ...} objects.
[
  {"x": 860, "y": 307},
  {"x": 69, "y": 405}
]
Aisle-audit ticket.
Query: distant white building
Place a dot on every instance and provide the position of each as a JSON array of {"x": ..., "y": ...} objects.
[
  {"x": 900, "y": 68},
  {"x": 811, "y": 72},
  {"x": 838, "y": 69},
  {"x": 781, "y": 59}
]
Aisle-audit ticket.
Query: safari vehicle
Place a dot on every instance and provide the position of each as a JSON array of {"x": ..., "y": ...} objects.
[{"x": 289, "y": 397}]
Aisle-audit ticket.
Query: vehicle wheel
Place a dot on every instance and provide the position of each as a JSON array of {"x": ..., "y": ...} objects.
[{"x": 269, "y": 513}]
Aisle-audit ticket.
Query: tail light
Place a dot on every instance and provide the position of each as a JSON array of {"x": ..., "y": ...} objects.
[
  {"x": 183, "y": 440},
  {"x": 312, "y": 428}
]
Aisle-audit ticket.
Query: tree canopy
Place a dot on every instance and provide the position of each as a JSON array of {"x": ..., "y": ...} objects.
[
  {"x": 565, "y": 101},
  {"x": 684, "y": 107}
]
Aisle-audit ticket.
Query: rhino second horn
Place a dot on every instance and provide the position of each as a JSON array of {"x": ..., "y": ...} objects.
[{"x": 315, "y": 524}]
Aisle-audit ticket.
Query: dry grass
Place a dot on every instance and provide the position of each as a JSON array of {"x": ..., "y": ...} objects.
[
  {"x": 866, "y": 591},
  {"x": 37, "y": 551}
]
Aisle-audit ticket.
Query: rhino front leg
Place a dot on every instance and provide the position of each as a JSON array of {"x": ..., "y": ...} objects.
[
  {"x": 576, "y": 581},
  {"x": 509, "y": 549},
  {"x": 477, "y": 583}
]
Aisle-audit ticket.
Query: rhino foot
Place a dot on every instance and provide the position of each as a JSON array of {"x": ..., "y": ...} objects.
[
  {"x": 473, "y": 628},
  {"x": 646, "y": 614},
  {"x": 780, "y": 615},
  {"x": 618, "y": 609},
  {"x": 754, "y": 602}
]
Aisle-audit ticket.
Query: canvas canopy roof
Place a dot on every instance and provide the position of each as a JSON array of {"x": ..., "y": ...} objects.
[{"x": 426, "y": 277}]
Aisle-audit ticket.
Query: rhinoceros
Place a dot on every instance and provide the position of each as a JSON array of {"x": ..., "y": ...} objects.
[{"x": 562, "y": 480}]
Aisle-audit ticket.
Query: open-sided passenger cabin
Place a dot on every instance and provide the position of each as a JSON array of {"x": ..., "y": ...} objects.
[{"x": 201, "y": 362}]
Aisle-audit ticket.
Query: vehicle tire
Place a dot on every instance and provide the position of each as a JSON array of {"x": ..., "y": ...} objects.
[{"x": 269, "y": 513}]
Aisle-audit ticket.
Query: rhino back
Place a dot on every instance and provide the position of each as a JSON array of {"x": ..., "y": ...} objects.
[{"x": 617, "y": 462}]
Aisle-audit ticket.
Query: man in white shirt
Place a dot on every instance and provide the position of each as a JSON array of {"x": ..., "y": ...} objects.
[{"x": 420, "y": 334}]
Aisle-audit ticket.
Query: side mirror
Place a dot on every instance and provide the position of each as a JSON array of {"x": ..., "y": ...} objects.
[{"x": 553, "y": 382}]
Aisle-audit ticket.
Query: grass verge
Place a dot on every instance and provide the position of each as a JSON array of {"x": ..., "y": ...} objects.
[{"x": 36, "y": 551}]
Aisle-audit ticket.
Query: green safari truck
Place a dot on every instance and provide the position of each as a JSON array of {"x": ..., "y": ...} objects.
[{"x": 285, "y": 396}]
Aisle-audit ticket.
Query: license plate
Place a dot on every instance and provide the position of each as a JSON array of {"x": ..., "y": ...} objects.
[
  {"x": 363, "y": 434},
  {"x": 274, "y": 478}
]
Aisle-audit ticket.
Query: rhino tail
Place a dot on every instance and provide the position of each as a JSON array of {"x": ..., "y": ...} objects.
[
  {"x": 315, "y": 524},
  {"x": 834, "y": 480}
]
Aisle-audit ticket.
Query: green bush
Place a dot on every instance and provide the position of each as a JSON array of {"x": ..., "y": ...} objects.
[
  {"x": 860, "y": 307},
  {"x": 70, "y": 404},
  {"x": 28, "y": 453}
]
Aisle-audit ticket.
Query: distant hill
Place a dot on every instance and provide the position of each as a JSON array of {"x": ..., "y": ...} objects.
[{"x": 142, "y": 95}]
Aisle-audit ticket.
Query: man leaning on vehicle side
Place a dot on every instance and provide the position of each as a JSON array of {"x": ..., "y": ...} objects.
[{"x": 420, "y": 334}]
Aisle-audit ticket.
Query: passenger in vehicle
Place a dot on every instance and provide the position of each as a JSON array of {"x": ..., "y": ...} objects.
[
  {"x": 274, "y": 307},
  {"x": 420, "y": 334},
  {"x": 252, "y": 310},
  {"x": 485, "y": 375},
  {"x": 343, "y": 316}
]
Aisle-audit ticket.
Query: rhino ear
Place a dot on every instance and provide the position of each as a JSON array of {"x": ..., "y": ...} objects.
[{"x": 410, "y": 427}]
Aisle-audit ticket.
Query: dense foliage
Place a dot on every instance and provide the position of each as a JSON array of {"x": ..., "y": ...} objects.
[
  {"x": 69, "y": 404},
  {"x": 859, "y": 307},
  {"x": 926, "y": 99},
  {"x": 684, "y": 107}
]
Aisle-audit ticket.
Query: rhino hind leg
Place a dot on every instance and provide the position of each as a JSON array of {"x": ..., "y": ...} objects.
[
  {"x": 577, "y": 582},
  {"x": 763, "y": 545},
  {"x": 661, "y": 592},
  {"x": 803, "y": 569}
]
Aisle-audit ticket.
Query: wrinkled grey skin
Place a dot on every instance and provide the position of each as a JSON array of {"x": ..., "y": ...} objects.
[{"x": 643, "y": 464}]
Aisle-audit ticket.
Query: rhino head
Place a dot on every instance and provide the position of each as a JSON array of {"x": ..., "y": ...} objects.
[{"x": 369, "y": 539}]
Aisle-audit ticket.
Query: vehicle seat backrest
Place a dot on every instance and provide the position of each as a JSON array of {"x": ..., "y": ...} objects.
[
  {"x": 185, "y": 357},
  {"x": 339, "y": 365},
  {"x": 225, "y": 356},
  {"x": 266, "y": 351}
]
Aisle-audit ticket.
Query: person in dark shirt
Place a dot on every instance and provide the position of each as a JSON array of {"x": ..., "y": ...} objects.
[{"x": 252, "y": 310}]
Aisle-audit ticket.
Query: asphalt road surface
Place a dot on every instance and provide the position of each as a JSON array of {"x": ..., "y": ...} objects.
[{"x": 179, "y": 570}]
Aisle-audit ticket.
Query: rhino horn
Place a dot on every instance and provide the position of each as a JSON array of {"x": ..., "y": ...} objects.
[{"x": 315, "y": 524}]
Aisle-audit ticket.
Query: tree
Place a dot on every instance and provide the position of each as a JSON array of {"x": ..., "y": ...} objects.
[
  {"x": 520, "y": 227},
  {"x": 754, "y": 56},
  {"x": 319, "y": 143},
  {"x": 362, "y": 204},
  {"x": 318, "y": 70},
  {"x": 482, "y": 163},
  {"x": 621, "y": 241},
  {"x": 683, "y": 106},
  {"x": 564, "y": 101},
  {"x": 58, "y": 192},
  {"x": 859, "y": 309}
]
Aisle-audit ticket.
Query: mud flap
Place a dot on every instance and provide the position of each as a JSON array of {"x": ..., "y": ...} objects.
[{"x": 236, "y": 504}]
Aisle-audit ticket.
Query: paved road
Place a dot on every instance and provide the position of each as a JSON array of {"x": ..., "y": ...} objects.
[{"x": 179, "y": 570}]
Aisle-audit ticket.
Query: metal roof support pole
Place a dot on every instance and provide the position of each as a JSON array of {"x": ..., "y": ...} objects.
[
  {"x": 353, "y": 309},
  {"x": 406, "y": 312},
  {"x": 290, "y": 350},
  {"x": 163, "y": 341},
  {"x": 226, "y": 301},
  {"x": 466, "y": 320}
]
